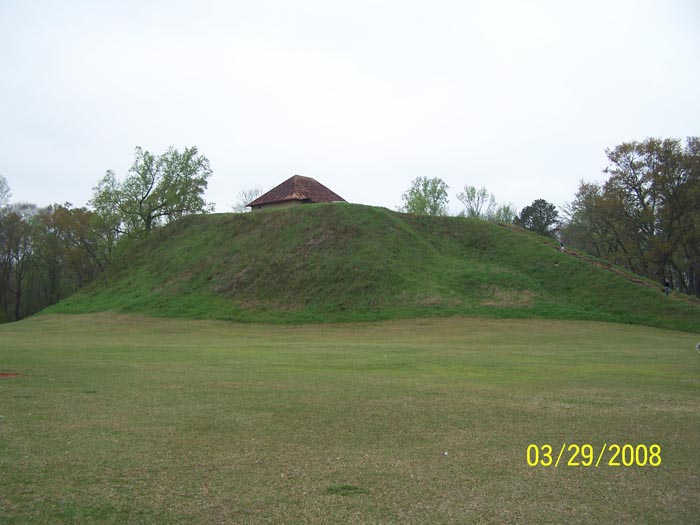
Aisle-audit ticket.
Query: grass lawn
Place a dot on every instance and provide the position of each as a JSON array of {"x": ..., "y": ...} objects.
[{"x": 123, "y": 419}]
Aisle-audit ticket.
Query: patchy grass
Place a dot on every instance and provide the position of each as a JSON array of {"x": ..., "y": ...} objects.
[
  {"x": 497, "y": 296},
  {"x": 343, "y": 489},
  {"x": 125, "y": 419}
]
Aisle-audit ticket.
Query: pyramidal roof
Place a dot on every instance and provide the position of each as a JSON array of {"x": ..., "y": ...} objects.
[{"x": 297, "y": 188}]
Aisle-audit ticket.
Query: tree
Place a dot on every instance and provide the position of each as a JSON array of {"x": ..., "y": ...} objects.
[
  {"x": 506, "y": 213},
  {"x": 244, "y": 197},
  {"x": 51, "y": 249},
  {"x": 584, "y": 223},
  {"x": 5, "y": 193},
  {"x": 646, "y": 216},
  {"x": 45, "y": 255},
  {"x": 69, "y": 250},
  {"x": 16, "y": 253},
  {"x": 157, "y": 190},
  {"x": 478, "y": 204},
  {"x": 426, "y": 197},
  {"x": 540, "y": 217}
]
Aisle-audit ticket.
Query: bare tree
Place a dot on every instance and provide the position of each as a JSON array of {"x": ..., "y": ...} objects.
[
  {"x": 479, "y": 204},
  {"x": 5, "y": 193},
  {"x": 244, "y": 197}
]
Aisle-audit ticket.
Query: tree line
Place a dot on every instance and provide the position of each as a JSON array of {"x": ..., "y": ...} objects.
[
  {"x": 428, "y": 196},
  {"x": 47, "y": 254},
  {"x": 644, "y": 217}
]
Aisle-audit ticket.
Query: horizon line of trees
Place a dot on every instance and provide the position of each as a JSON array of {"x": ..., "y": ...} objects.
[
  {"x": 428, "y": 196},
  {"x": 645, "y": 217},
  {"x": 47, "y": 254}
]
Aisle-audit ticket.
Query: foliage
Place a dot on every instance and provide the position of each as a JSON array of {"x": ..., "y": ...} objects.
[
  {"x": 158, "y": 189},
  {"x": 16, "y": 246},
  {"x": 244, "y": 197},
  {"x": 426, "y": 196},
  {"x": 505, "y": 213},
  {"x": 646, "y": 216},
  {"x": 540, "y": 217},
  {"x": 45, "y": 255},
  {"x": 478, "y": 204},
  {"x": 344, "y": 262}
]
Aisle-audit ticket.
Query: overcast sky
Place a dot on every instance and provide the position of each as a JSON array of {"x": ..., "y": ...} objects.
[{"x": 520, "y": 97}]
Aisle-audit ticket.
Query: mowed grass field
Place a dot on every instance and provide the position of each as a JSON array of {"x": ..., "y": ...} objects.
[{"x": 124, "y": 419}]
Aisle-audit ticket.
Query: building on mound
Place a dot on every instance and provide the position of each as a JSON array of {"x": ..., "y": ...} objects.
[{"x": 294, "y": 191}]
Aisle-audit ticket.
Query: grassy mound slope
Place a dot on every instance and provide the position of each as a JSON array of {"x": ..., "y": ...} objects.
[{"x": 350, "y": 263}]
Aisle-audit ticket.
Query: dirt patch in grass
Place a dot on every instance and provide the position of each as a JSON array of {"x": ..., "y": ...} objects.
[
  {"x": 230, "y": 282},
  {"x": 497, "y": 296},
  {"x": 436, "y": 300},
  {"x": 8, "y": 374}
]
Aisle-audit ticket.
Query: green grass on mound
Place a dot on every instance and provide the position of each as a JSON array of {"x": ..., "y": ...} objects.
[
  {"x": 120, "y": 419},
  {"x": 344, "y": 262}
]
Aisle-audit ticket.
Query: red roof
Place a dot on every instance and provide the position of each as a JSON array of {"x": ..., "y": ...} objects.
[{"x": 297, "y": 188}]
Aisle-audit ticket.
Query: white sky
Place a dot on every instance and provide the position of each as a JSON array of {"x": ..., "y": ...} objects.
[{"x": 520, "y": 97}]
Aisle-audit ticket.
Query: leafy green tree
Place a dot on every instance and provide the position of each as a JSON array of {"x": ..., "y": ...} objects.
[
  {"x": 506, "y": 213},
  {"x": 45, "y": 255},
  {"x": 646, "y": 216},
  {"x": 585, "y": 225},
  {"x": 540, "y": 217},
  {"x": 426, "y": 196},
  {"x": 69, "y": 249},
  {"x": 158, "y": 189}
]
